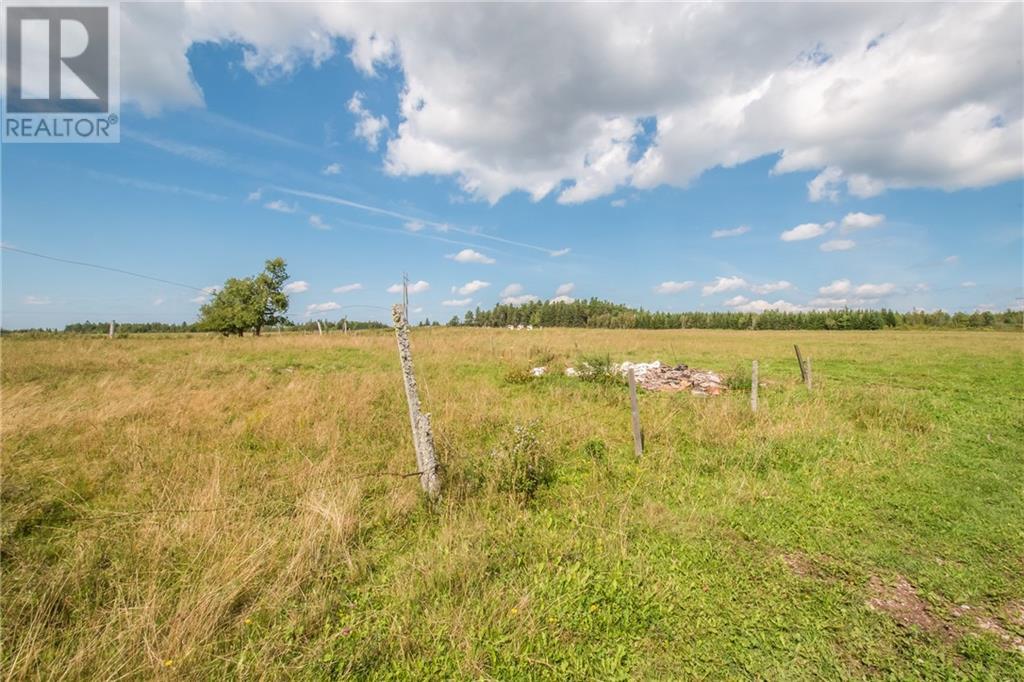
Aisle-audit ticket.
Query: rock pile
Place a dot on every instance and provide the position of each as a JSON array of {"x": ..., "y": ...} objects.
[{"x": 654, "y": 376}]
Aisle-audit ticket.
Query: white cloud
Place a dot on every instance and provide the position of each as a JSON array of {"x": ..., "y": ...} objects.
[
  {"x": 332, "y": 169},
  {"x": 205, "y": 296},
  {"x": 565, "y": 289},
  {"x": 318, "y": 222},
  {"x": 519, "y": 300},
  {"x": 457, "y": 303},
  {"x": 471, "y": 287},
  {"x": 414, "y": 225},
  {"x": 771, "y": 287},
  {"x": 562, "y": 299},
  {"x": 321, "y": 307},
  {"x": 36, "y": 300},
  {"x": 805, "y": 231},
  {"x": 837, "y": 245},
  {"x": 512, "y": 290},
  {"x": 737, "y": 300},
  {"x": 825, "y": 185},
  {"x": 731, "y": 232},
  {"x": 922, "y": 287},
  {"x": 281, "y": 206},
  {"x": 968, "y": 285},
  {"x": 722, "y": 284},
  {"x": 296, "y": 287},
  {"x": 368, "y": 126},
  {"x": 759, "y": 306},
  {"x": 559, "y": 252},
  {"x": 951, "y": 260},
  {"x": 414, "y": 288},
  {"x": 861, "y": 221},
  {"x": 255, "y": 196},
  {"x": 839, "y": 286},
  {"x": 671, "y": 287},
  {"x": 347, "y": 288},
  {"x": 470, "y": 256},
  {"x": 875, "y": 289},
  {"x": 933, "y": 100},
  {"x": 618, "y": 203}
]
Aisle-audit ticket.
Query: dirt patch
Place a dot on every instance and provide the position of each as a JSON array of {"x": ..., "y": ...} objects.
[
  {"x": 995, "y": 628},
  {"x": 901, "y": 602}
]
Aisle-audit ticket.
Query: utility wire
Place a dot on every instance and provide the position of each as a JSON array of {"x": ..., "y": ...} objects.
[{"x": 101, "y": 267}]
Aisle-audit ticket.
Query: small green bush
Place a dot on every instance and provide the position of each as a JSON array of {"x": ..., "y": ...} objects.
[{"x": 519, "y": 465}]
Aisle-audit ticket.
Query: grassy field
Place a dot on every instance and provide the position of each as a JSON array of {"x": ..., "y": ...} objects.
[{"x": 204, "y": 507}]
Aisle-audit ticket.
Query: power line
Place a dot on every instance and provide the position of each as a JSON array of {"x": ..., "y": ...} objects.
[{"x": 102, "y": 267}]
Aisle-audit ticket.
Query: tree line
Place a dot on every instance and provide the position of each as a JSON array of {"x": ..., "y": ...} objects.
[{"x": 595, "y": 313}]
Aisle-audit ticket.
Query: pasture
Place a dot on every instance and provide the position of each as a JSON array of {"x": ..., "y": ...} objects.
[{"x": 205, "y": 507}]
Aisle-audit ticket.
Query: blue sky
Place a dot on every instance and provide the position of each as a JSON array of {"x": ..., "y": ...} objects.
[{"x": 287, "y": 160}]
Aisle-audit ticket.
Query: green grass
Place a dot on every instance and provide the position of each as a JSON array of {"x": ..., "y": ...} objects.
[{"x": 740, "y": 546}]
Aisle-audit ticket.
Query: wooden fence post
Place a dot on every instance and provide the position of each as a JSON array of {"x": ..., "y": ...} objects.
[
  {"x": 319, "y": 329},
  {"x": 800, "y": 361},
  {"x": 344, "y": 326},
  {"x": 110, "y": 332},
  {"x": 422, "y": 436},
  {"x": 638, "y": 435},
  {"x": 753, "y": 387}
]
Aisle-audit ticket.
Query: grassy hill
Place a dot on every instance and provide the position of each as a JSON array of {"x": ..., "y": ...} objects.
[{"x": 207, "y": 507}]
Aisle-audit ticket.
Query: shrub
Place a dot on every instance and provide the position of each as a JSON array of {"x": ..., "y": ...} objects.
[{"x": 519, "y": 465}]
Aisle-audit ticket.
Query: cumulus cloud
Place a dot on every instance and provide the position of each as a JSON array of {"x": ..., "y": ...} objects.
[
  {"x": 770, "y": 287},
  {"x": 731, "y": 232},
  {"x": 296, "y": 287},
  {"x": 672, "y": 287},
  {"x": 894, "y": 96},
  {"x": 414, "y": 287},
  {"x": 805, "y": 231},
  {"x": 565, "y": 289},
  {"x": 457, "y": 302},
  {"x": 839, "y": 286},
  {"x": 281, "y": 206},
  {"x": 875, "y": 289},
  {"x": 759, "y": 306},
  {"x": 332, "y": 169},
  {"x": 837, "y": 245},
  {"x": 722, "y": 284},
  {"x": 347, "y": 288},
  {"x": 739, "y": 299},
  {"x": 519, "y": 300},
  {"x": 318, "y": 223},
  {"x": 368, "y": 126},
  {"x": 470, "y": 256},
  {"x": 321, "y": 307},
  {"x": 471, "y": 287},
  {"x": 562, "y": 299},
  {"x": 512, "y": 290},
  {"x": 861, "y": 221}
]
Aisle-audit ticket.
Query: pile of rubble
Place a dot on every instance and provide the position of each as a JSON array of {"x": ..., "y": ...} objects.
[{"x": 654, "y": 376}]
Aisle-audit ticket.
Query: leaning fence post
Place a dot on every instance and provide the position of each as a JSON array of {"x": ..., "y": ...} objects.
[
  {"x": 422, "y": 436},
  {"x": 638, "y": 435},
  {"x": 800, "y": 361},
  {"x": 753, "y": 387},
  {"x": 809, "y": 375},
  {"x": 110, "y": 332},
  {"x": 319, "y": 329}
]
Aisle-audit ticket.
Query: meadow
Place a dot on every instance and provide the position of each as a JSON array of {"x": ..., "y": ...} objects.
[{"x": 200, "y": 507}]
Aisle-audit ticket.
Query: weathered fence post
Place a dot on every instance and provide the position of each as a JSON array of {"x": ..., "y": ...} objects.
[
  {"x": 422, "y": 436},
  {"x": 319, "y": 329},
  {"x": 638, "y": 435},
  {"x": 344, "y": 326},
  {"x": 809, "y": 377},
  {"x": 800, "y": 361},
  {"x": 110, "y": 332},
  {"x": 753, "y": 387}
]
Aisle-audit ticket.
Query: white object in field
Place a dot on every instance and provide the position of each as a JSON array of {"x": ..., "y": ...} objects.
[
  {"x": 570, "y": 371},
  {"x": 538, "y": 371}
]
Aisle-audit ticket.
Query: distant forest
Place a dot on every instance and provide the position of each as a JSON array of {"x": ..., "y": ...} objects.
[{"x": 598, "y": 314}]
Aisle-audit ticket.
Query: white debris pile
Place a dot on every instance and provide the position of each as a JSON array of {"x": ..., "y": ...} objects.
[{"x": 655, "y": 376}]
